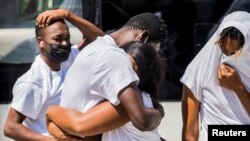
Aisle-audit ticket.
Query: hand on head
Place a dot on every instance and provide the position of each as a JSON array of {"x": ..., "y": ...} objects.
[{"x": 46, "y": 17}]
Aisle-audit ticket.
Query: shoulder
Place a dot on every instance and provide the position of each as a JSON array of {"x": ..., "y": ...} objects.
[
  {"x": 34, "y": 76},
  {"x": 104, "y": 41},
  {"x": 115, "y": 56}
]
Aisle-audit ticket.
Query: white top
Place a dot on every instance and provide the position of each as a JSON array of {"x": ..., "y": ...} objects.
[
  {"x": 99, "y": 72},
  {"x": 218, "y": 104},
  {"x": 129, "y": 133},
  {"x": 38, "y": 89}
]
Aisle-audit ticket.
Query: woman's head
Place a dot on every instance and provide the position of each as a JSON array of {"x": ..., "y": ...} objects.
[
  {"x": 147, "y": 64},
  {"x": 231, "y": 41}
]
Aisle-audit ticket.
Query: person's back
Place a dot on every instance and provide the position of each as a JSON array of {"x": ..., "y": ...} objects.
[{"x": 82, "y": 82}]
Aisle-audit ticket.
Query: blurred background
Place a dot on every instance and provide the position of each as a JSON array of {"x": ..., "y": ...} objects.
[{"x": 190, "y": 24}]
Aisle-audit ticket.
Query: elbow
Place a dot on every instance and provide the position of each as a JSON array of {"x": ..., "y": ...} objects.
[
  {"x": 80, "y": 130},
  {"x": 189, "y": 138},
  {"x": 142, "y": 127},
  {"x": 77, "y": 127},
  {"x": 142, "y": 124},
  {"x": 8, "y": 130},
  {"x": 147, "y": 122}
]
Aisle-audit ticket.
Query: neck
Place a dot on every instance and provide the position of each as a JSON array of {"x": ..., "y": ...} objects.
[
  {"x": 123, "y": 36},
  {"x": 116, "y": 36},
  {"x": 52, "y": 65}
]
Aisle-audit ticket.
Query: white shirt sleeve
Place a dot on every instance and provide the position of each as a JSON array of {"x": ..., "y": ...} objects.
[
  {"x": 194, "y": 74},
  {"x": 28, "y": 99},
  {"x": 113, "y": 73}
]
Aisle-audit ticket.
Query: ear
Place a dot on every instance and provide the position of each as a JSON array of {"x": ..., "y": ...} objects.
[
  {"x": 143, "y": 36},
  {"x": 40, "y": 42}
]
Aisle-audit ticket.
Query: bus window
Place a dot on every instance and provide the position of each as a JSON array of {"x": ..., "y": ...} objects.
[
  {"x": 17, "y": 37},
  {"x": 22, "y": 13}
]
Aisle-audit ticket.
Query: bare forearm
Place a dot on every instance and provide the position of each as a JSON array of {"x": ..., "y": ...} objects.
[
  {"x": 67, "y": 120},
  {"x": 230, "y": 79},
  {"x": 190, "y": 110},
  {"x": 142, "y": 118},
  {"x": 22, "y": 133},
  {"x": 190, "y": 133},
  {"x": 102, "y": 118},
  {"x": 244, "y": 97},
  {"x": 154, "y": 118},
  {"x": 16, "y": 130}
]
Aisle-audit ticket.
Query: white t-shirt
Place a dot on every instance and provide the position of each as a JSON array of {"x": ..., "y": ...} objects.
[
  {"x": 100, "y": 71},
  {"x": 128, "y": 132},
  {"x": 218, "y": 105},
  {"x": 38, "y": 89}
]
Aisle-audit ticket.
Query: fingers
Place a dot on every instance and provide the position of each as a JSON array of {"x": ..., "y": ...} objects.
[
  {"x": 222, "y": 73},
  {"x": 219, "y": 73},
  {"x": 45, "y": 18},
  {"x": 42, "y": 19},
  {"x": 229, "y": 68},
  {"x": 38, "y": 19},
  {"x": 49, "y": 19}
]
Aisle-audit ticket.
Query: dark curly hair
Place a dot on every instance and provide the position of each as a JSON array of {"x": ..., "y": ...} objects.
[{"x": 155, "y": 26}]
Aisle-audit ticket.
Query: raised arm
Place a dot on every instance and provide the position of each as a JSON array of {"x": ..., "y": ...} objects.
[
  {"x": 101, "y": 118},
  {"x": 230, "y": 79},
  {"x": 190, "y": 115},
  {"x": 89, "y": 30}
]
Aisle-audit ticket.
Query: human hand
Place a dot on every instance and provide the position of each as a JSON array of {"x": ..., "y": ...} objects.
[
  {"x": 60, "y": 135},
  {"x": 229, "y": 78},
  {"x": 46, "y": 17}
]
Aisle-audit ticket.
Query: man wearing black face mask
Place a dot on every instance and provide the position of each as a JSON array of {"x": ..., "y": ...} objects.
[
  {"x": 40, "y": 87},
  {"x": 59, "y": 53}
]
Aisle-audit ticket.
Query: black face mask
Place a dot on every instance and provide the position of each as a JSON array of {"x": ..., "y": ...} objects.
[{"x": 59, "y": 53}]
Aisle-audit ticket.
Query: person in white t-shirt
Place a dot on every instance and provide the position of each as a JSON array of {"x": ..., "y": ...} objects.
[
  {"x": 216, "y": 83},
  {"x": 149, "y": 66},
  {"x": 41, "y": 86},
  {"x": 105, "y": 73}
]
